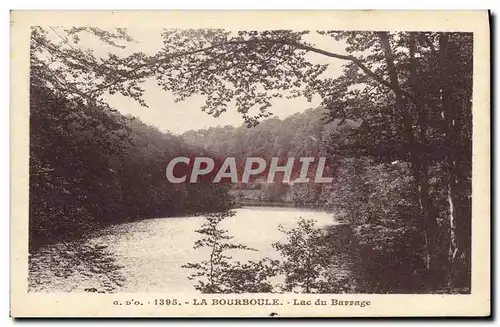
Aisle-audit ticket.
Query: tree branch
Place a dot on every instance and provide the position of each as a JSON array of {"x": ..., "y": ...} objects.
[
  {"x": 300, "y": 46},
  {"x": 296, "y": 45}
]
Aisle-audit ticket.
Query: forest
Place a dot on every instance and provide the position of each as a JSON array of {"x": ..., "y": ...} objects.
[
  {"x": 303, "y": 134},
  {"x": 91, "y": 167},
  {"x": 396, "y": 127}
]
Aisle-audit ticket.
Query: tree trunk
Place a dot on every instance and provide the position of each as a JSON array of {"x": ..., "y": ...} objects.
[
  {"x": 455, "y": 180},
  {"x": 426, "y": 207},
  {"x": 449, "y": 143},
  {"x": 419, "y": 168}
]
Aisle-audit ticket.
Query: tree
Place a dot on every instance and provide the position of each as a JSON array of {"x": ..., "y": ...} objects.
[
  {"x": 58, "y": 64},
  {"x": 455, "y": 59},
  {"x": 377, "y": 201},
  {"x": 218, "y": 274},
  {"x": 304, "y": 257}
]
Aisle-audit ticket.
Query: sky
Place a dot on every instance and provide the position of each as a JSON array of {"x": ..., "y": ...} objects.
[{"x": 180, "y": 117}]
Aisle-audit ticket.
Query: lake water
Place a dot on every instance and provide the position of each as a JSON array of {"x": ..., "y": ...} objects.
[{"x": 153, "y": 251}]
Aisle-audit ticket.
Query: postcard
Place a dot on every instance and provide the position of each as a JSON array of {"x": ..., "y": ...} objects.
[{"x": 250, "y": 164}]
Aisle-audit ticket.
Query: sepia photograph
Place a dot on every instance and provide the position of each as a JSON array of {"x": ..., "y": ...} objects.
[{"x": 224, "y": 167}]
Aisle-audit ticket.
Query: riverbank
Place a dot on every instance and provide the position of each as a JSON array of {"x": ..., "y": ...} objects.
[
  {"x": 252, "y": 203},
  {"x": 74, "y": 267}
]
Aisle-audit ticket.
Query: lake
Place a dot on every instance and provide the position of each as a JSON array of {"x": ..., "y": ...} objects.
[{"x": 151, "y": 252}]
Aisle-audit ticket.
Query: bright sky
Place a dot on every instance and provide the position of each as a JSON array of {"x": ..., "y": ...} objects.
[{"x": 177, "y": 118}]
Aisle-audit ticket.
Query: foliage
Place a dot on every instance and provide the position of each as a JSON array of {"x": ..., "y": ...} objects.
[
  {"x": 251, "y": 276},
  {"x": 249, "y": 68},
  {"x": 377, "y": 203},
  {"x": 219, "y": 274},
  {"x": 89, "y": 267},
  {"x": 90, "y": 167},
  {"x": 60, "y": 65},
  {"x": 305, "y": 194},
  {"x": 304, "y": 257},
  {"x": 296, "y": 136}
]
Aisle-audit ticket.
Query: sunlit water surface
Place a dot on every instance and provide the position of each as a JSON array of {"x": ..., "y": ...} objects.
[{"x": 153, "y": 251}]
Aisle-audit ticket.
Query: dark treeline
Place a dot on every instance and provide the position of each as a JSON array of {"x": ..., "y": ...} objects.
[
  {"x": 300, "y": 135},
  {"x": 91, "y": 166},
  {"x": 296, "y": 136}
]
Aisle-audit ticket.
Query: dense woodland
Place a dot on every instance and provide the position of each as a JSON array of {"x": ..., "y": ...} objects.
[
  {"x": 91, "y": 167},
  {"x": 396, "y": 127},
  {"x": 303, "y": 134}
]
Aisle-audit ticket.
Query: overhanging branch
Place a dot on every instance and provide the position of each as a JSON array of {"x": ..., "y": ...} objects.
[{"x": 296, "y": 45}]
